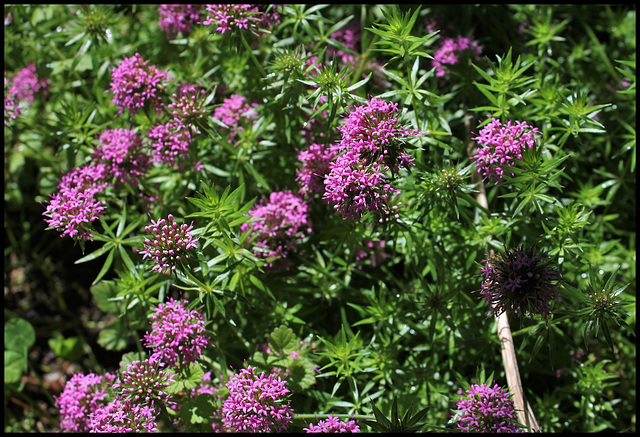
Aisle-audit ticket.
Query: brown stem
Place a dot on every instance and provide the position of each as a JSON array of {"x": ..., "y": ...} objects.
[{"x": 523, "y": 408}]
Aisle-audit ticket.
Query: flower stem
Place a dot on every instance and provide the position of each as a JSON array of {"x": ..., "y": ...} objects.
[{"x": 253, "y": 57}]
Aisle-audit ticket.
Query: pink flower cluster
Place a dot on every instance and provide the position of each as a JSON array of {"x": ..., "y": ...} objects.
[
  {"x": 450, "y": 50},
  {"x": 178, "y": 336},
  {"x": 75, "y": 205},
  {"x": 123, "y": 415},
  {"x": 486, "y": 409},
  {"x": 188, "y": 105},
  {"x": 227, "y": 17},
  {"x": 502, "y": 146},
  {"x": 22, "y": 88},
  {"x": 82, "y": 396},
  {"x": 144, "y": 382},
  {"x": 315, "y": 165},
  {"x": 333, "y": 424},
  {"x": 176, "y": 19},
  {"x": 370, "y": 147},
  {"x": 256, "y": 403},
  {"x": 170, "y": 243},
  {"x": 136, "y": 84},
  {"x": 235, "y": 112},
  {"x": 372, "y": 250},
  {"x": 285, "y": 220},
  {"x": 121, "y": 151},
  {"x": 169, "y": 142}
]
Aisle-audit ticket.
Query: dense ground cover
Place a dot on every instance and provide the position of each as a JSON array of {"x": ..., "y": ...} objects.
[{"x": 320, "y": 217}]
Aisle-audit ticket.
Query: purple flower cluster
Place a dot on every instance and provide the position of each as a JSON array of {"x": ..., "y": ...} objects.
[
  {"x": 26, "y": 83},
  {"x": 315, "y": 165},
  {"x": 169, "y": 244},
  {"x": 176, "y": 19},
  {"x": 121, "y": 151},
  {"x": 450, "y": 50},
  {"x": 22, "y": 88},
  {"x": 256, "y": 403},
  {"x": 486, "y": 409},
  {"x": 169, "y": 142},
  {"x": 82, "y": 396},
  {"x": 75, "y": 205},
  {"x": 123, "y": 415},
  {"x": 285, "y": 220},
  {"x": 519, "y": 282},
  {"x": 144, "y": 382},
  {"x": 136, "y": 84},
  {"x": 333, "y": 424},
  {"x": 228, "y": 17},
  {"x": 502, "y": 146},
  {"x": 235, "y": 112},
  {"x": 370, "y": 147},
  {"x": 373, "y": 250},
  {"x": 188, "y": 105},
  {"x": 178, "y": 335}
]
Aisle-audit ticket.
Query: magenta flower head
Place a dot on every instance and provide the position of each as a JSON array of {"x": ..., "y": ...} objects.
[
  {"x": 519, "y": 282},
  {"x": 121, "y": 151},
  {"x": 188, "y": 105},
  {"x": 26, "y": 84},
  {"x": 178, "y": 336},
  {"x": 75, "y": 205},
  {"x": 135, "y": 84},
  {"x": 450, "y": 50},
  {"x": 235, "y": 112},
  {"x": 229, "y": 17},
  {"x": 315, "y": 162},
  {"x": 169, "y": 142},
  {"x": 486, "y": 409},
  {"x": 124, "y": 415},
  {"x": 372, "y": 145},
  {"x": 169, "y": 245},
  {"x": 333, "y": 424},
  {"x": 256, "y": 403},
  {"x": 144, "y": 382},
  {"x": 11, "y": 107},
  {"x": 285, "y": 220},
  {"x": 502, "y": 146},
  {"x": 176, "y": 19},
  {"x": 82, "y": 396}
]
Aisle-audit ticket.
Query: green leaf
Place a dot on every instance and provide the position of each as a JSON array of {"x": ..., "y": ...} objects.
[
  {"x": 96, "y": 254},
  {"x": 19, "y": 335},
  {"x": 115, "y": 336},
  {"x": 102, "y": 293},
  {"x": 70, "y": 349},
  {"x": 13, "y": 366},
  {"x": 282, "y": 340}
]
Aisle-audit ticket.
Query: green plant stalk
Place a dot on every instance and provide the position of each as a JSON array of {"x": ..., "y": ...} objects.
[{"x": 253, "y": 57}]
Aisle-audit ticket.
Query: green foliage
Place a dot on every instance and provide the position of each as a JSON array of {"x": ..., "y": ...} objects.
[
  {"x": 19, "y": 337},
  {"x": 382, "y": 322}
]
